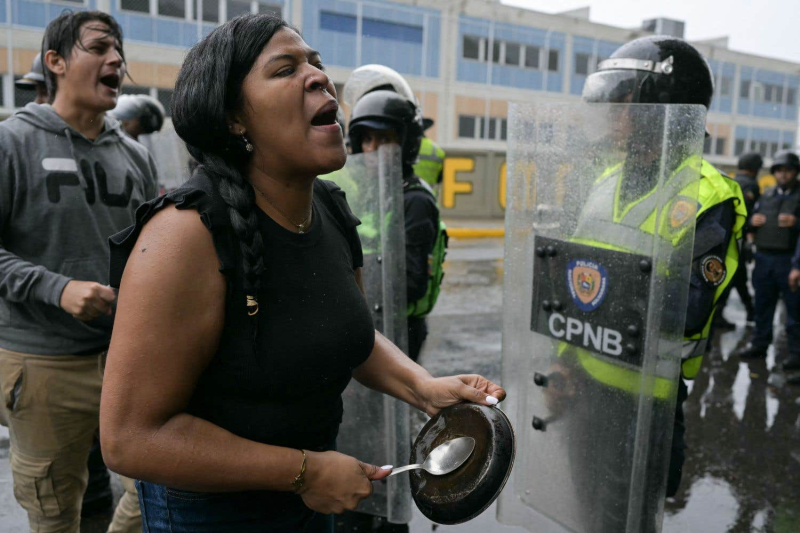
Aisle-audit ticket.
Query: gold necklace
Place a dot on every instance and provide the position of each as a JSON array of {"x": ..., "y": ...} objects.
[{"x": 302, "y": 227}]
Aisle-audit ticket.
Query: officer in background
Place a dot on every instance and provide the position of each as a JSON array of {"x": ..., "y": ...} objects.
[
  {"x": 430, "y": 165},
  {"x": 383, "y": 117},
  {"x": 34, "y": 81},
  {"x": 775, "y": 227},
  {"x": 398, "y": 119},
  {"x": 748, "y": 168},
  {"x": 140, "y": 114},
  {"x": 668, "y": 70}
]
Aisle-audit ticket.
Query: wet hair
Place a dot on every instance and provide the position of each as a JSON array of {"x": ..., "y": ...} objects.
[
  {"x": 208, "y": 88},
  {"x": 64, "y": 33}
]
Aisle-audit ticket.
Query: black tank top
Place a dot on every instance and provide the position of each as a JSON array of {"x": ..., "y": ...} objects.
[{"x": 313, "y": 326}]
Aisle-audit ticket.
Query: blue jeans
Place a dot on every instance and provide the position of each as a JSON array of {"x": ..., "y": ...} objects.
[
  {"x": 166, "y": 510},
  {"x": 771, "y": 282}
]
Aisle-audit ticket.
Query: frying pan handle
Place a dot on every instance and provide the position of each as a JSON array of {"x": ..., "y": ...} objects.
[{"x": 404, "y": 469}]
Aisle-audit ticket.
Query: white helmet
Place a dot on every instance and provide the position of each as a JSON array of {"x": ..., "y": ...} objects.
[
  {"x": 370, "y": 77},
  {"x": 147, "y": 109}
]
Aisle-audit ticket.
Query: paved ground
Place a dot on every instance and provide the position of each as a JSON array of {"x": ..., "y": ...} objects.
[
  {"x": 743, "y": 465},
  {"x": 742, "y": 472}
]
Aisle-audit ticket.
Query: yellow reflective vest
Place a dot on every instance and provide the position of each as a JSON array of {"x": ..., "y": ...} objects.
[
  {"x": 621, "y": 229},
  {"x": 430, "y": 163}
]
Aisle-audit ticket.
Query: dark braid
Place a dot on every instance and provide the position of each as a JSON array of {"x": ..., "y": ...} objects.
[
  {"x": 240, "y": 197},
  {"x": 208, "y": 89}
]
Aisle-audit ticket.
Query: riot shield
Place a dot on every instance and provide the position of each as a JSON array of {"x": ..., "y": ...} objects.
[
  {"x": 602, "y": 201},
  {"x": 375, "y": 427}
]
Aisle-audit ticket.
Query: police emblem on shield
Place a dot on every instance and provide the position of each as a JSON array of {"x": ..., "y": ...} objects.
[{"x": 587, "y": 282}]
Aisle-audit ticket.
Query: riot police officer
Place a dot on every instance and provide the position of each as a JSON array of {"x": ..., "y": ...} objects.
[
  {"x": 140, "y": 114},
  {"x": 665, "y": 70},
  {"x": 748, "y": 167},
  {"x": 34, "y": 80},
  {"x": 775, "y": 225},
  {"x": 384, "y": 109},
  {"x": 381, "y": 117}
]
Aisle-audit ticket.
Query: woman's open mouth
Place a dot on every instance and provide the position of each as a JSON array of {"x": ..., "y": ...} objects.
[{"x": 325, "y": 119}]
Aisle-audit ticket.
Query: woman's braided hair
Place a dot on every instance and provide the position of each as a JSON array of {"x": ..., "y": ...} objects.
[{"x": 208, "y": 89}]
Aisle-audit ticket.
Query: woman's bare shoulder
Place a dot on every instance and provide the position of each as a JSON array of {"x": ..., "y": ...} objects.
[{"x": 174, "y": 254}]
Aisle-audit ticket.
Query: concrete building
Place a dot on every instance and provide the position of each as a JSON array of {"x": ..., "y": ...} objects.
[{"x": 467, "y": 59}]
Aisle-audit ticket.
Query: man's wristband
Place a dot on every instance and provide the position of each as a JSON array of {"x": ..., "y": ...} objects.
[{"x": 300, "y": 480}]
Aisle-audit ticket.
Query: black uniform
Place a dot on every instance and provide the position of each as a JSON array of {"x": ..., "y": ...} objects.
[
  {"x": 750, "y": 190},
  {"x": 774, "y": 249},
  {"x": 421, "y": 223}
]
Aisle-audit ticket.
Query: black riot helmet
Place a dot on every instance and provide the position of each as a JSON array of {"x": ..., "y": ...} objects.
[
  {"x": 785, "y": 158},
  {"x": 751, "y": 161},
  {"x": 383, "y": 110},
  {"x": 658, "y": 69}
]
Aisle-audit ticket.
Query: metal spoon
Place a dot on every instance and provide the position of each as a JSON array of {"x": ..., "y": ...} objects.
[{"x": 445, "y": 458}]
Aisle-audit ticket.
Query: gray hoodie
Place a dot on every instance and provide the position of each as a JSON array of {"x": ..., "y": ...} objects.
[{"x": 61, "y": 197}]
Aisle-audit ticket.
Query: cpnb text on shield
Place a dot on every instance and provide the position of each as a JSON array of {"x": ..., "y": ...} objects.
[{"x": 603, "y": 340}]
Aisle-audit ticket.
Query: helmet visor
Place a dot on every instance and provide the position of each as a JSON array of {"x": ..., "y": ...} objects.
[{"x": 616, "y": 87}]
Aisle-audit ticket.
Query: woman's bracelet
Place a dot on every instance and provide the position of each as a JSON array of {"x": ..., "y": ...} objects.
[{"x": 300, "y": 479}]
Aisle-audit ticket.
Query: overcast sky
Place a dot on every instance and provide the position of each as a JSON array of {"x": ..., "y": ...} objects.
[{"x": 768, "y": 28}]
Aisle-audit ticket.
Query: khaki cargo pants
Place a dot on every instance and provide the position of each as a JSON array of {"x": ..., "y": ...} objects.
[{"x": 51, "y": 405}]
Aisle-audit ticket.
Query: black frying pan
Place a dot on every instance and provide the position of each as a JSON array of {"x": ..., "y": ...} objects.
[{"x": 469, "y": 490}]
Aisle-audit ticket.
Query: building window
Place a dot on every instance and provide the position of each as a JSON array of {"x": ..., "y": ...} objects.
[
  {"x": 791, "y": 96},
  {"x": 762, "y": 148},
  {"x": 493, "y": 128},
  {"x": 466, "y": 126},
  {"x": 342, "y": 23},
  {"x": 513, "y": 54},
  {"x": 172, "y": 8},
  {"x": 337, "y": 22},
  {"x": 268, "y": 9},
  {"x": 773, "y": 149},
  {"x": 787, "y": 146},
  {"x": 474, "y": 48},
  {"x": 140, "y": 6},
  {"x": 237, "y": 8},
  {"x": 707, "y": 145},
  {"x": 392, "y": 30},
  {"x": 582, "y": 64},
  {"x": 744, "y": 89},
  {"x": 552, "y": 61},
  {"x": 739, "y": 147},
  {"x": 532, "y": 57},
  {"x": 165, "y": 97},
  {"x": 497, "y": 52},
  {"x": 210, "y": 10},
  {"x": 720, "y": 146},
  {"x": 472, "y": 127},
  {"x": 725, "y": 86},
  {"x": 768, "y": 92}
]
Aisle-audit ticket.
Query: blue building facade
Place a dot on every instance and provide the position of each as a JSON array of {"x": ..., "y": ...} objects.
[{"x": 757, "y": 108}]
